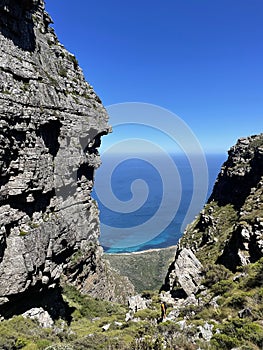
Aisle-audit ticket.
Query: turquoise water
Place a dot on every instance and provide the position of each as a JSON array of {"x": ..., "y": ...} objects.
[{"x": 121, "y": 183}]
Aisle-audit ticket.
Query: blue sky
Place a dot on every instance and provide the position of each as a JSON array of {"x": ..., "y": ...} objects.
[{"x": 202, "y": 60}]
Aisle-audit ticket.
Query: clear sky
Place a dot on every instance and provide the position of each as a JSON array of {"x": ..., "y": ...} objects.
[{"x": 200, "y": 59}]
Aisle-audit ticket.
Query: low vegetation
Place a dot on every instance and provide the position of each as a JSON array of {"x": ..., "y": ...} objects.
[
  {"x": 236, "y": 317},
  {"x": 86, "y": 329},
  {"x": 239, "y": 311},
  {"x": 146, "y": 270},
  {"x": 208, "y": 234}
]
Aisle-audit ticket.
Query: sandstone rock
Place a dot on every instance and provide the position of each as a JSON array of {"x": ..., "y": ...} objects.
[
  {"x": 4, "y": 300},
  {"x": 129, "y": 316},
  {"x": 106, "y": 327},
  {"x": 227, "y": 232},
  {"x": 137, "y": 303},
  {"x": 214, "y": 302},
  {"x": 206, "y": 331},
  {"x": 51, "y": 122},
  {"x": 173, "y": 315},
  {"x": 165, "y": 296},
  {"x": 245, "y": 243},
  {"x": 230, "y": 221},
  {"x": 41, "y": 316},
  {"x": 184, "y": 274},
  {"x": 182, "y": 324},
  {"x": 240, "y": 173}
]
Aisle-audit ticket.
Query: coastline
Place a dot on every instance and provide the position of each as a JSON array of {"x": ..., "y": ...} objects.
[
  {"x": 146, "y": 269},
  {"x": 152, "y": 250}
]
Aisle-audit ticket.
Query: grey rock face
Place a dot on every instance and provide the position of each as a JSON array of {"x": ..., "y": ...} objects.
[
  {"x": 51, "y": 122},
  {"x": 184, "y": 275},
  {"x": 245, "y": 244},
  {"x": 206, "y": 331},
  {"x": 241, "y": 172},
  {"x": 229, "y": 230},
  {"x": 235, "y": 208},
  {"x": 137, "y": 302},
  {"x": 41, "y": 316},
  {"x": 244, "y": 313}
]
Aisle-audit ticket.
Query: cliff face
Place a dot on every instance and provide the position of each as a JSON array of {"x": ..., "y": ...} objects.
[
  {"x": 229, "y": 230},
  {"x": 50, "y": 127}
]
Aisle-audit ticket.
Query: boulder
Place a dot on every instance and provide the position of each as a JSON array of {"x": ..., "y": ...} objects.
[
  {"x": 41, "y": 316},
  {"x": 137, "y": 303},
  {"x": 184, "y": 274}
]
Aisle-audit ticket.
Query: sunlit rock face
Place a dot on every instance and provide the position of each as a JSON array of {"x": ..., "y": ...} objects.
[
  {"x": 50, "y": 127},
  {"x": 229, "y": 229}
]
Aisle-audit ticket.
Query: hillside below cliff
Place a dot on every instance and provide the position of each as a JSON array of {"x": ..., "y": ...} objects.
[
  {"x": 146, "y": 269},
  {"x": 50, "y": 128}
]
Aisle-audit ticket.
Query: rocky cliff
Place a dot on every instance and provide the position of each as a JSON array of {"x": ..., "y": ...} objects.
[
  {"x": 50, "y": 128},
  {"x": 229, "y": 230}
]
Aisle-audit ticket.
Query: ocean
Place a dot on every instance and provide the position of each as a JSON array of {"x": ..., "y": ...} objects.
[{"x": 143, "y": 205}]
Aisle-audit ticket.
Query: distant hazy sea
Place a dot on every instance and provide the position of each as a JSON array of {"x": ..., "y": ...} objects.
[{"x": 133, "y": 169}]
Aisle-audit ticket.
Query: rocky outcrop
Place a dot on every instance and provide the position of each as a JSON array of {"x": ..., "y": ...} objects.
[
  {"x": 245, "y": 244},
  {"x": 108, "y": 284},
  {"x": 137, "y": 302},
  {"x": 241, "y": 173},
  {"x": 240, "y": 184},
  {"x": 41, "y": 316},
  {"x": 184, "y": 274},
  {"x": 50, "y": 127},
  {"x": 229, "y": 230}
]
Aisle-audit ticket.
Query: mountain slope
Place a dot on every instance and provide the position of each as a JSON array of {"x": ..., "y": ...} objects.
[
  {"x": 224, "y": 291},
  {"x": 229, "y": 229}
]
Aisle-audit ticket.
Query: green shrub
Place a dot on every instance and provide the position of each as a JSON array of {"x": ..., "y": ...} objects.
[
  {"x": 20, "y": 343},
  {"x": 251, "y": 331},
  {"x": 222, "y": 287},
  {"x": 148, "y": 343},
  {"x": 42, "y": 344},
  {"x": 147, "y": 314},
  {"x": 73, "y": 59},
  {"x": 238, "y": 300},
  {"x": 208, "y": 313},
  {"x": 214, "y": 274},
  {"x": 238, "y": 332},
  {"x": 224, "y": 342},
  {"x": 62, "y": 72},
  {"x": 23, "y": 233},
  {"x": 255, "y": 278},
  {"x": 7, "y": 342},
  {"x": 23, "y": 333},
  {"x": 89, "y": 307}
]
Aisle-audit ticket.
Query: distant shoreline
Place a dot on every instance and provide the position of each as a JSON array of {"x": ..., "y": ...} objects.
[
  {"x": 146, "y": 269},
  {"x": 142, "y": 251}
]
